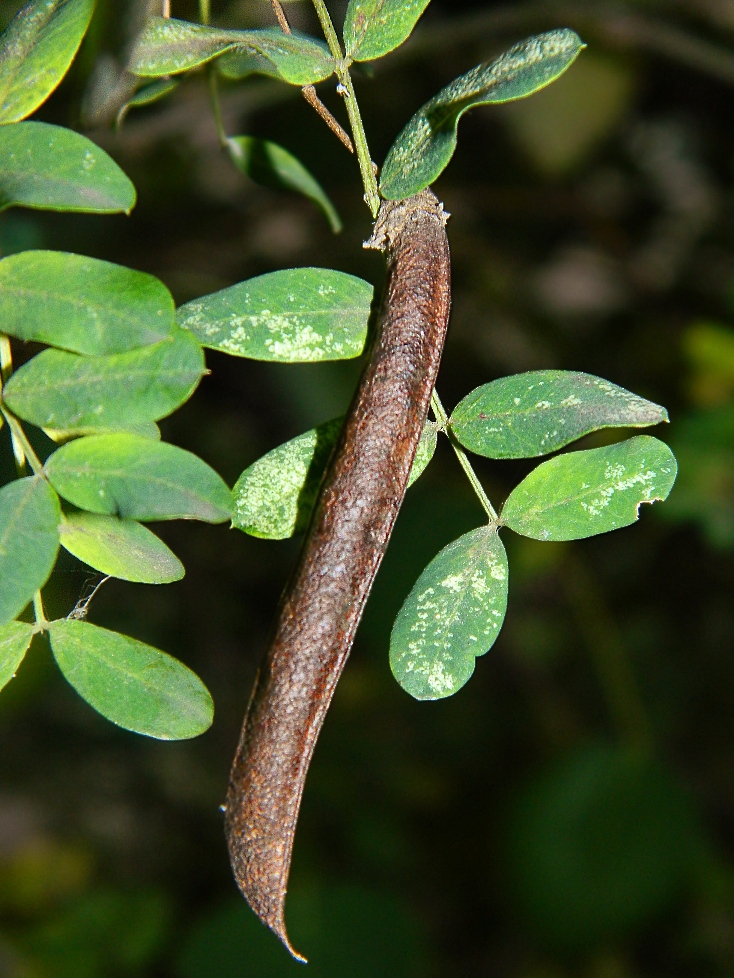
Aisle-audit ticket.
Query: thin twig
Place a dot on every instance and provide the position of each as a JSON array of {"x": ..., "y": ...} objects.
[
  {"x": 280, "y": 16},
  {"x": 166, "y": 12},
  {"x": 309, "y": 93}
]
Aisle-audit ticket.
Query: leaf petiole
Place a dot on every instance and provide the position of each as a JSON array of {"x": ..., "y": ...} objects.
[{"x": 443, "y": 422}]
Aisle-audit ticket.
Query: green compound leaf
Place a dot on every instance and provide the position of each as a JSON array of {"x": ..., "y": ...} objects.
[
  {"x": 272, "y": 166},
  {"x": 168, "y": 46},
  {"x": 15, "y": 640},
  {"x": 453, "y": 614},
  {"x": 147, "y": 95},
  {"x": 138, "y": 479},
  {"x": 274, "y": 497},
  {"x": 424, "y": 148},
  {"x": 298, "y": 315},
  {"x": 120, "y": 548},
  {"x": 584, "y": 493},
  {"x": 36, "y": 50},
  {"x": 538, "y": 412},
  {"x": 372, "y": 28},
  {"x": 51, "y": 168},
  {"x": 64, "y": 391},
  {"x": 29, "y": 541},
  {"x": 82, "y": 304},
  {"x": 135, "y": 686}
]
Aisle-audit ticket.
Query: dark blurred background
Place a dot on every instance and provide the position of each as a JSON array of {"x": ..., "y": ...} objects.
[{"x": 570, "y": 812}]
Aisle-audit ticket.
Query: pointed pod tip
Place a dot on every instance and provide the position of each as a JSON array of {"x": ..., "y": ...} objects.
[{"x": 278, "y": 928}]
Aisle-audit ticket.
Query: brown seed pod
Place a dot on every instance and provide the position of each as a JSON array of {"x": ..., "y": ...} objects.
[{"x": 359, "y": 500}]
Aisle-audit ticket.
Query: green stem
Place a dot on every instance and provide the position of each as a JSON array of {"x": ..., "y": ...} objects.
[
  {"x": 205, "y": 13},
  {"x": 216, "y": 106},
  {"x": 366, "y": 166},
  {"x": 21, "y": 446},
  {"x": 6, "y": 371},
  {"x": 41, "y": 620},
  {"x": 443, "y": 421}
]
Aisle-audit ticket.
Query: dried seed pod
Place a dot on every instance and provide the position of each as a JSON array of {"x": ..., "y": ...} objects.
[{"x": 359, "y": 500}]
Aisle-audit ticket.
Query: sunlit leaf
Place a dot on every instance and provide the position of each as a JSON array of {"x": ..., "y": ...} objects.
[
  {"x": 538, "y": 412},
  {"x": 272, "y": 166},
  {"x": 29, "y": 541},
  {"x": 120, "y": 548},
  {"x": 132, "y": 684},
  {"x": 61, "y": 390},
  {"x": 581, "y": 494},
  {"x": 374, "y": 27},
  {"x": 36, "y": 50},
  {"x": 424, "y": 147},
  {"x": 168, "y": 46},
  {"x": 139, "y": 479},
  {"x": 293, "y": 316},
  {"x": 274, "y": 497},
  {"x": 51, "y": 168},
  {"x": 15, "y": 640},
  {"x": 452, "y": 615},
  {"x": 147, "y": 95},
  {"x": 82, "y": 304}
]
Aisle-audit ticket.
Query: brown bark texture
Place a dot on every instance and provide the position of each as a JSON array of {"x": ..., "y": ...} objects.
[{"x": 358, "y": 502}]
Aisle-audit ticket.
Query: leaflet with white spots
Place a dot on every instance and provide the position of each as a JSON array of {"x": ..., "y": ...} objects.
[
  {"x": 538, "y": 412},
  {"x": 297, "y": 315},
  {"x": 581, "y": 494},
  {"x": 452, "y": 615}
]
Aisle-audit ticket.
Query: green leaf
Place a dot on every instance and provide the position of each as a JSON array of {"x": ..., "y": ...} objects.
[
  {"x": 274, "y": 497},
  {"x": 82, "y": 304},
  {"x": 272, "y": 166},
  {"x": 61, "y": 390},
  {"x": 29, "y": 541},
  {"x": 51, "y": 168},
  {"x": 297, "y": 315},
  {"x": 581, "y": 494},
  {"x": 138, "y": 479},
  {"x": 372, "y": 28},
  {"x": 135, "y": 686},
  {"x": 168, "y": 46},
  {"x": 120, "y": 548},
  {"x": 538, "y": 412},
  {"x": 453, "y": 614},
  {"x": 424, "y": 148},
  {"x": 36, "y": 50},
  {"x": 147, "y": 95},
  {"x": 15, "y": 640}
]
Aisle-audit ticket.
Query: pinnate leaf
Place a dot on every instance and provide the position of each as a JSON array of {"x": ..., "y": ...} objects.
[
  {"x": 293, "y": 316},
  {"x": 51, "y": 168},
  {"x": 64, "y": 391},
  {"x": 120, "y": 548},
  {"x": 132, "y": 684},
  {"x": 270, "y": 165},
  {"x": 453, "y": 614},
  {"x": 168, "y": 46},
  {"x": 425, "y": 146},
  {"x": 372, "y": 28},
  {"x": 274, "y": 497},
  {"x": 138, "y": 479},
  {"x": 15, "y": 640},
  {"x": 82, "y": 304},
  {"x": 581, "y": 494},
  {"x": 29, "y": 541},
  {"x": 36, "y": 50},
  {"x": 538, "y": 412}
]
